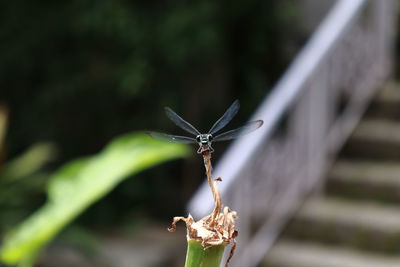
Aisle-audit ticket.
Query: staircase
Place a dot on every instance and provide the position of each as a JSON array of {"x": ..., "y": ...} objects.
[{"x": 356, "y": 221}]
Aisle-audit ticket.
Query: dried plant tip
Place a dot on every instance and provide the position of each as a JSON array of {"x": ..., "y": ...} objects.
[
  {"x": 233, "y": 248},
  {"x": 221, "y": 232},
  {"x": 177, "y": 219},
  {"x": 215, "y": 229}
]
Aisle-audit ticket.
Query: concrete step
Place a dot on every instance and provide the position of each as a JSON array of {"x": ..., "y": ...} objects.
[
  {"x": 375, "y": 139},
  {"x": 375, "y": 180},
  {"x": 387, "y": 103},
  {"x": 361, "y": 225},
  {"x": 302, "y": 254},
  {"x": 149, "y": 246}
]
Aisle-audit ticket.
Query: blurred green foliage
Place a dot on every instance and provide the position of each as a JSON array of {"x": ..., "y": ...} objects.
[
  {"x": 79, "y": 184},
  {"x": 21, "y": 181}
]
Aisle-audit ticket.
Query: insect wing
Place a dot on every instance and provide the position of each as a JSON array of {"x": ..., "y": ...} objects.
[
  {"x": 180, "y": 122},
  {"x": 245, "y": 129},
  {"x": 226, "y": 118},
  {"x": 172, "y": 138}
]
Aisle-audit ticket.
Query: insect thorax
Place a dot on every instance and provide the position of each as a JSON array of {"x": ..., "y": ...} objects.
[{"x": 204, "y": 139}]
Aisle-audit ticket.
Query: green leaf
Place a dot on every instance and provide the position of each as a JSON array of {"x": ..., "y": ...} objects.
[
  {"x": 80, "y": 183},
  {"x": 28, "y": 163}
]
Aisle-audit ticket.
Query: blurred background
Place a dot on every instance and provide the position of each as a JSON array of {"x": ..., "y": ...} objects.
[{"x": 75, "y": 75}]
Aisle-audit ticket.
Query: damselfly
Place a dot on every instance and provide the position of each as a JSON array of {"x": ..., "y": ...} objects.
[{"x": 205, "y": 140}]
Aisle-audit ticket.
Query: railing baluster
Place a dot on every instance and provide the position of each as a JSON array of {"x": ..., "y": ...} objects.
[{"x": 319, "y": 100}]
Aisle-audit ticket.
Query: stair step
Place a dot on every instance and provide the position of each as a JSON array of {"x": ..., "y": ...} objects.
[
  {"x": 149, "y": 245},
  {"x": 363, "y": 225},
  {"x": 295, "y": 254},
  {"x": 387, "y": 103},
  {"x": 375, "y": 139},
  {"x": 379, "y": 181}
]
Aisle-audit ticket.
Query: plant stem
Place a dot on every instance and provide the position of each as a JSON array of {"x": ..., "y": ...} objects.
[
  {"x": 213, "y": 187},
  {"x": 208, "y": 237},
  {"x": 198, "y": 256}
]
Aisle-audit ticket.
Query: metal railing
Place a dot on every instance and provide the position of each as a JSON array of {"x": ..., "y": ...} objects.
[{"x": 307, "y": 117}]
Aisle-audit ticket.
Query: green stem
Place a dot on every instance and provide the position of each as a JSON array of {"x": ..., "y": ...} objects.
[{"x": 198, "y": 256}]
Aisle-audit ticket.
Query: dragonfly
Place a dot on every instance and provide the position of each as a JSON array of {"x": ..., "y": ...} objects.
[{"x": 205, "y": 140}]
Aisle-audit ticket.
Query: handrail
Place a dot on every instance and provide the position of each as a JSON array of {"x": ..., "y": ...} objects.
[
  {"x": 280, "y": 99},
  {"x": 266, "y": 177}
]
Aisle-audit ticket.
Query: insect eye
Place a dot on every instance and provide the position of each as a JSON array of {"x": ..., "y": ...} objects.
[
  {"x": 198, "y": 138},
  {"x": 210, "y": 137}
]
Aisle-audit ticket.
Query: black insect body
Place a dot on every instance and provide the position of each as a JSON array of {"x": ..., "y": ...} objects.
[{"x": 205, "y": 140}]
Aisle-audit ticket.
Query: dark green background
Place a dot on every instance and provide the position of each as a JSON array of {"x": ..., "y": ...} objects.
[{"x": 78, "y": 73}]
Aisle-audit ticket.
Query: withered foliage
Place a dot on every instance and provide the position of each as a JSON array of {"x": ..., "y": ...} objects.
[{"x": 217, "y": 228}]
